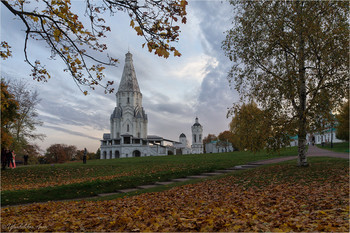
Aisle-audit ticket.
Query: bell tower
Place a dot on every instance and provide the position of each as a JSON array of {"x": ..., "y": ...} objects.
[{"x": 197, "y": 141}]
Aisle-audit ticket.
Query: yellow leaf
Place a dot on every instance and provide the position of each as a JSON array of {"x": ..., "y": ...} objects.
[
  {"x": 57, "y": 34},
  {"x": 176, "y": 53},
  {"x": 77, "y": 61},
  {"x": 139, "y": 31},
  {"x": 132, "y": 24}
]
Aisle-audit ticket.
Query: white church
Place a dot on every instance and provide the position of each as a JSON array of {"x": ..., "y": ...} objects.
[{"x": 128, "y": 123}]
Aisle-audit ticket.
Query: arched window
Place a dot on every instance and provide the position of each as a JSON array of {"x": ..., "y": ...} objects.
[{"x": 127, "y": 128}]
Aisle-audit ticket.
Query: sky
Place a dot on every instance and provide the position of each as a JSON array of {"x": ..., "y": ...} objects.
[{"x": 175, "y": 90}]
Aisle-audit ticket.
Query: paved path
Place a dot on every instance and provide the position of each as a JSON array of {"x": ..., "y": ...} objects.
[{"x": 313, "y": 151}]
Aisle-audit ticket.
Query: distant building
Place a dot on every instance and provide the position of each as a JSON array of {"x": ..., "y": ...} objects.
[
  {"x": 128, "y": 122},
  {"x": 182, "y": 146},
  {"x": 326, "y": 136},
  {"x": 218, "y": 147},
  {"x": 128, "y": 136},
  {"x": 197, "y": 141}
]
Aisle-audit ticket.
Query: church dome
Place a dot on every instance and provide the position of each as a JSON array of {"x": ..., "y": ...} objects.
[
  {"x": 182, "y": 135},
  {"x": 197, "y": 123}
]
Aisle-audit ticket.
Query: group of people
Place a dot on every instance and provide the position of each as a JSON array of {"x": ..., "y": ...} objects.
[{"x": 8, "y": 158}]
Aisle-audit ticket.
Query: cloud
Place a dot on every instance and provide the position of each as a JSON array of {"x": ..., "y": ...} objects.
[
  {"x": 71, "y": 132},
  {"x": 175, "y": 90},
  {"x": 193, "y": 68}
]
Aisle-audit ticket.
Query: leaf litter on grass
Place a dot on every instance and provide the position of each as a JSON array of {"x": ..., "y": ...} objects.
[{"x": 319, "y": 202}]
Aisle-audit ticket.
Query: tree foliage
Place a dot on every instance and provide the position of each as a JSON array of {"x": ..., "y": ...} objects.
[
  {"x": 343, "y": 122},
  {"x": 26, "y": 120},
  {"x": 9, "y": 107},
  {"x": 289, "y": 56},
  {"x": 80, "y": 154},
  {"x": 228, "y": 136},
  {"x": 60, "y": 153},
  {"x": 34, "y": 152},
  {"x": 250, "y": 128},
  {"x": 54, "y": 23}
]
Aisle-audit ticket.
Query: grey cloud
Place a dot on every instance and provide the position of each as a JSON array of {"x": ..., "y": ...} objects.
[{"x": 70, "y": 132}]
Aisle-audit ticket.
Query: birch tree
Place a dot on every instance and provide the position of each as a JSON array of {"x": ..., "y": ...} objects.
[{"x": 287, "y": 55}]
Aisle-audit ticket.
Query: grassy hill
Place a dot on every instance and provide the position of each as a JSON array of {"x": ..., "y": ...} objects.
[{"x": 75, "y": 180}]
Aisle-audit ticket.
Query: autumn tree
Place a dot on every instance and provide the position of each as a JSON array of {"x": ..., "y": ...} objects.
[
  {"x": 54, "y": 23},
  {"x": 287, "y": 55},
  {"x": 89, "y": 155},
  {"x": 34, "y": 152},
  {"x": 9, "y": 114},
  {"x": 26, "y": 120},
  {"x": 60, "y": 153},
  {"x": 343, "y": 122},
  {"x": 228, "y": 137},
  {"x": 250, "y": 128}
]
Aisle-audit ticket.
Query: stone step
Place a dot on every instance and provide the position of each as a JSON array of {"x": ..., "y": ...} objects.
[
  {"x": 250, "y": 166},
  {"x": 216, "y": 173},
  {"x": 237, "y": 168},
  {"x": 128, "y": 190},
  {"x": 106, "y": 194},
  {"x": 256, "y": 164},
  {"x": 147, "y": 186},
  {"x": 197, "y": 177},
  {"x": 181, "y": 179},
  {"x": 165, "y": 182},
  {"x": 224, "y": 171}
]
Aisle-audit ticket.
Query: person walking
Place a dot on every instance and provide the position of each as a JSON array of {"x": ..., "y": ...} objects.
[
  {"x": 84, "y": 156},
  {"x": 8, "y": 157},
  {"x": 12, "y": 160},
  {"x": 25, "y": 157}
]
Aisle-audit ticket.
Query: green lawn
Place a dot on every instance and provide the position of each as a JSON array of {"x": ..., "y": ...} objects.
[
  {"x": 272, "y": 198},
  {"x": 337, "y": 147},
  {"x": 76, "y": 180}
]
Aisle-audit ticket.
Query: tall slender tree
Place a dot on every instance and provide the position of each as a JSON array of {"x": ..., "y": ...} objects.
[
  {"x": 289, "y": 55},
  {"x": 24, "y": 127}
]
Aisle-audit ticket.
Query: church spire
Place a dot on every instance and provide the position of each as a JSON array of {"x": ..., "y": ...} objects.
[{"x": 129, "y": 81}]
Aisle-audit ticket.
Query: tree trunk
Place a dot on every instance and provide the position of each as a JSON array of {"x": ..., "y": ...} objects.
[{"x": 302, "y": 160}]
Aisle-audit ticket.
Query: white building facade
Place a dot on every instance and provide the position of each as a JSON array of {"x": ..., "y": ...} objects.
[
  {"x": 197, "y": 140},
  {"x": 128, "y": 122},
  {"x": 128, "y": 125},
  {"x": 218, "y": 147},
  {"x": 326, "y": 136},
  {"x": 182, "y": 147}
]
